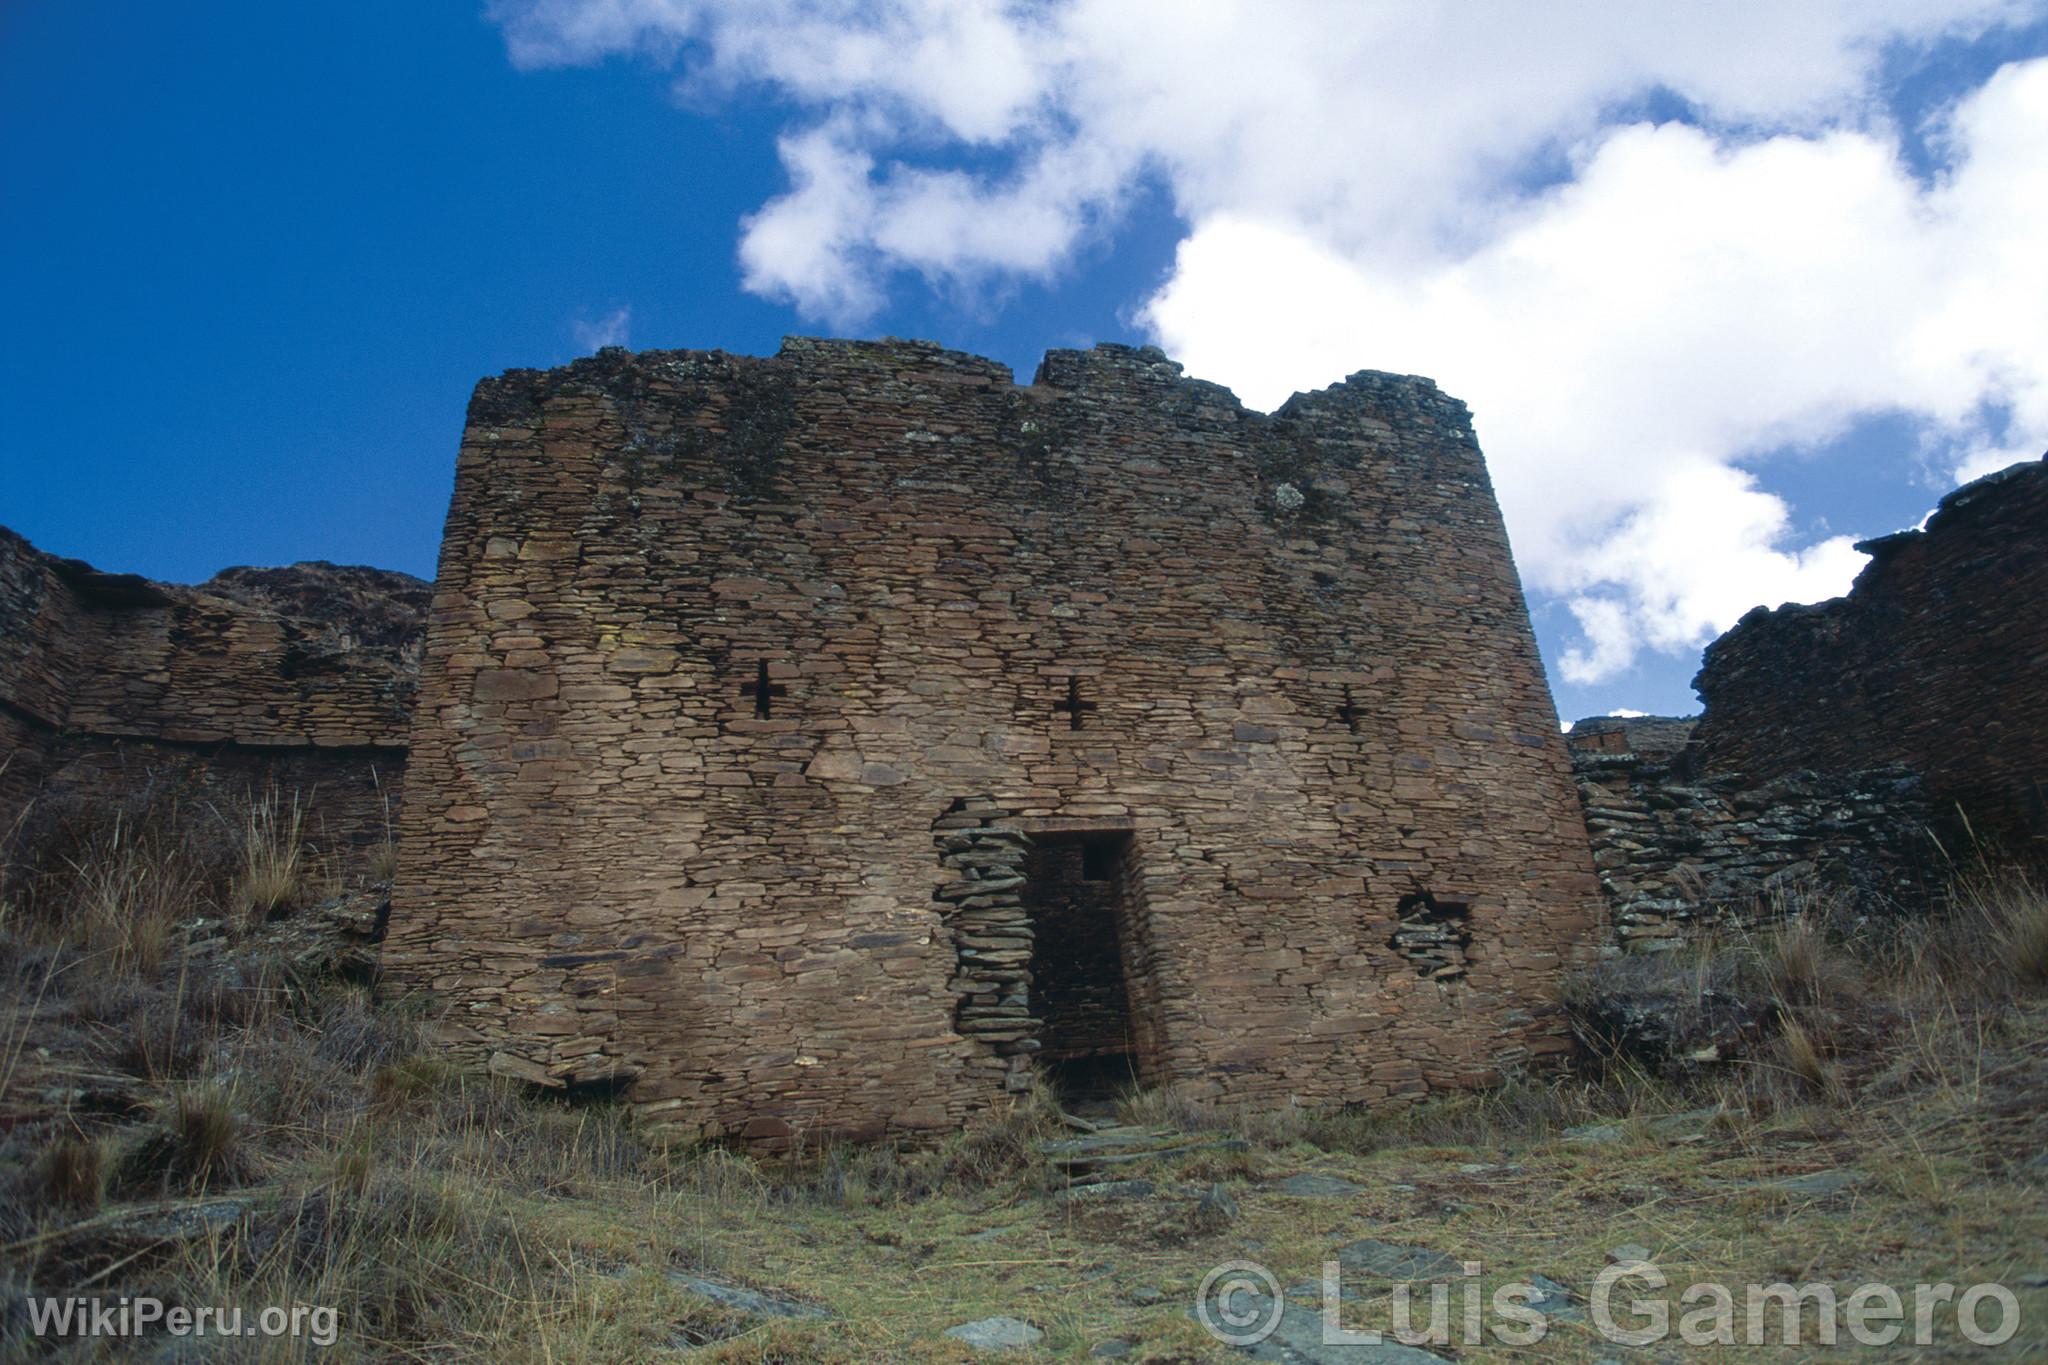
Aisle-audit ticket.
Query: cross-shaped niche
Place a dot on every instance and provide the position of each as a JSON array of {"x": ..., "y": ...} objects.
[
  {"x": 1073, "y": 706},
  {"x": 763, "y": 691},
  {"x": 1350, "y": 712}
]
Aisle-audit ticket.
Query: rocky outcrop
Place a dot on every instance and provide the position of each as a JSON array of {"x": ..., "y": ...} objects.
[{"x": 300, "y": 679}]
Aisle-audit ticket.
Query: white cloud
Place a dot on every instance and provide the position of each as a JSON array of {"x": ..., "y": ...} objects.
[
  {"x": 1635, "y": 327},
  {"x": 1677, "y": 307},
  {"x": 613, "y": 329},
  {"x": 1703, "y": 549},
  {"x": 1393, "y": 129}
]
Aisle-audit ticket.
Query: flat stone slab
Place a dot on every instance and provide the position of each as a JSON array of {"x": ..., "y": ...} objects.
[
  {"x": 1817, "y": 1184},
  {"x": 1693, "y": 1123},
  {"x": 1311, "y": 1185},
  {"x": 1104, "y": 1192},
  {"x": 1093, "y": 1161},
  {"x": 1594, "y": 1133},
  {"x": 1554, "y": 1300},
  {"x": 188, "y": 1223},
  {"x": 1297, "y": 1339},
  {"x": 740, "y": 1299},
  {"x": 1109, "y": 1140},
  {"x": 1391, "y": 1261},
  {"x": 997, "y": 1334}
]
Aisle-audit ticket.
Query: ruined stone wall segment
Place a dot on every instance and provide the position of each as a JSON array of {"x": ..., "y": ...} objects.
[
  {"x": 1937, "y": 661},
  {"x": 1681, "y": 853},
  {"x": 300, "y": 678},
  {"x": 1307, "y": 684},
  {"x": 41, "y": 633}
]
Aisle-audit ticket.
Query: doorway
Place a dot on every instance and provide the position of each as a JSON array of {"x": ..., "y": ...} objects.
[{"x": 1077, "y": 896}]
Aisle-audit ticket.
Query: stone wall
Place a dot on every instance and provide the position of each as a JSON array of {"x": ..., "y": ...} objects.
[
  {"x": 719, "y": 644},
  {"x": 300, "y": 679},
  {"x": 1937, "y": 661},
  {"x": 1679, "y": 850}
]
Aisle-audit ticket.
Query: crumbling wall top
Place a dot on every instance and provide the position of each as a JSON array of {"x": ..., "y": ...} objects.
[
  {"x": 1934, "y": 661},
  {"x": 312, "y": 654},
  {"x": 516, "y": 395}
]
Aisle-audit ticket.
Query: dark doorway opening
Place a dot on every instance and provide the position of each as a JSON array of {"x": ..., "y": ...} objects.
[{"x": 1076, "y": 893}]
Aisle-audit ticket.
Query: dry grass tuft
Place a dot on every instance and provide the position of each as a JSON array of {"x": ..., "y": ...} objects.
[
  {"x": 274, "y": 863},
  {"x": 1823, "y": 1008},
  {"x": 199, "y": 1147},
  {"x": 128, "y": 902},
  {"x": 1801, "y": 1058},
  {"x": 1803, "y": 965},
  {"x": 113, "y": 883},
  {"x": 405, "y": 1084},
  {"x": 152, "y": 1037},
  {"x": 2012, "y": 910},
  {"x": 356, "y": 1160},
  {"x": 74, "y": 1174},
  {"x": 383, "y": 865},
  {"x": 383, "y": 868}
]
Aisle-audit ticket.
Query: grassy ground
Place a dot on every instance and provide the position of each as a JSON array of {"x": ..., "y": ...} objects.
[{"x": 204, "y": 1103}]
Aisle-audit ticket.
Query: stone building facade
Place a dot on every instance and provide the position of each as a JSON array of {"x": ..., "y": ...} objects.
[
  {"x": 814, "y": 741},
  {"x": 298, "y": 680},
  {"x": 1937, "y": 661}
]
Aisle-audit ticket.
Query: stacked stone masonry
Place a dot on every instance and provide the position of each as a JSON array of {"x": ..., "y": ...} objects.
[
  {"x": 722, "y": 645},
  {"x": 1937, "y": 661},
  {"x": 298, "y": 680},
  {"x": 1680, "y": 851},
  {"x": 829, "y": 740}
]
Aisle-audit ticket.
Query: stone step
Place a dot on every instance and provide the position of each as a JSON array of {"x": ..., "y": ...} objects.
[{"x": 1086, "y": 1163}]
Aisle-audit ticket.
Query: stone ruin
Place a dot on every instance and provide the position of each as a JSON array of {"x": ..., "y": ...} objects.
[
  {"x": 827, "y": 740},
  {"x": 1681, "y": 850},
  {"x": 1859, "y": 750},
  {"x": 1936, "y": 661},
  {"x": 296, "y": 681}
]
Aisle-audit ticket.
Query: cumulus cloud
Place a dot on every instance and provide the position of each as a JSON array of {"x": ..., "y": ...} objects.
[
  {"x": 1640, "y": 312},
  {"x": 613, "y": 329},
  {"x": 1675, "y": 309}
]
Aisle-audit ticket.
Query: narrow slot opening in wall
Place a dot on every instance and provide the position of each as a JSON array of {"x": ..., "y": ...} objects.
[{"x": 1074, "y": 893}]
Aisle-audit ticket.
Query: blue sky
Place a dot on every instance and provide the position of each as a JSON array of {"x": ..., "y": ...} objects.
[{"x": 255, "y": 256}]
